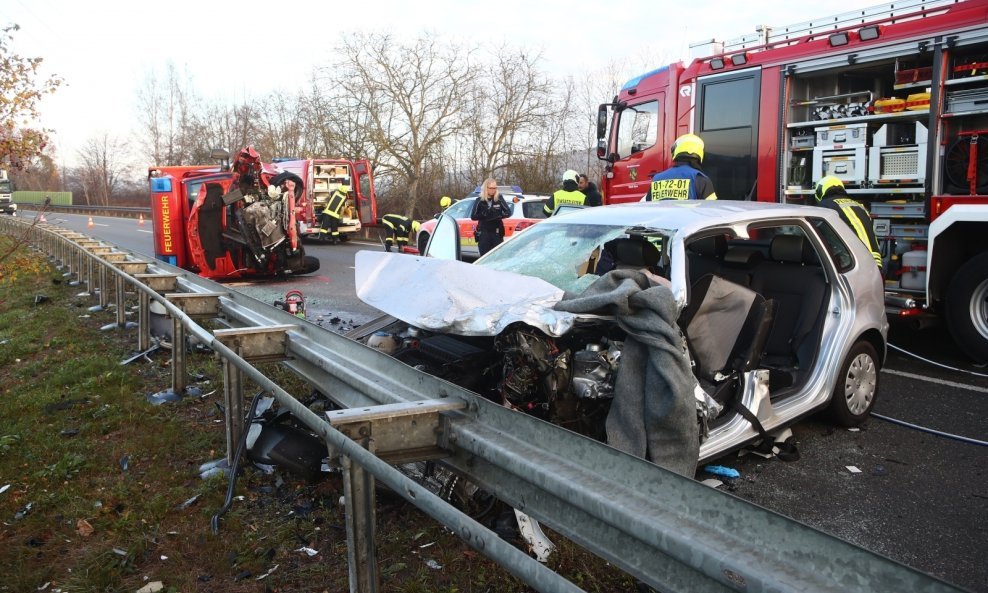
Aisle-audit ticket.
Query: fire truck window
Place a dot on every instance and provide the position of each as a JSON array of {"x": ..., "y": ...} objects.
[
  {"x": 637, "y": 128},
  {"x": 729, "y": 128}
]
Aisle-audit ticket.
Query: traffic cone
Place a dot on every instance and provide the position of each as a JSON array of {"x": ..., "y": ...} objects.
[
  {"x": 90, "y": 223},
  {"x": 140, "y": 221}
]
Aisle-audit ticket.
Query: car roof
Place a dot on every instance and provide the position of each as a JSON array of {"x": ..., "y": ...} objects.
[{"x": 685, "y": 214}]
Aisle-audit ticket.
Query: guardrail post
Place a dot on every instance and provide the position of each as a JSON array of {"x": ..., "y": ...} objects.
[
  {"x": 160, "y": 283},
  {"x": 130, "y": 268},
  {"x": 85, "y": 265},
  {"x": 254, "y": 345},
  {"x": 361, "y": 525},
  {"x": 396, "y": 433},
  {"x": 109, "y": 259},
  {"x": 196, "y": 305}
]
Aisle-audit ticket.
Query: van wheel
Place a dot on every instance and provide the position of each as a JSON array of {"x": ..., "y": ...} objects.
[
  {"x": 967, "y": 307},
  {"x": 857, "y": 386}
]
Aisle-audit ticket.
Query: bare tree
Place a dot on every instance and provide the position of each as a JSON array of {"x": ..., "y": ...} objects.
[
  {"x": 411, "y": 96},
  {"x": 511, "y": 101},
  {"x": 102, "y": 168},
  {"x": 20, "y": 92},
  {"x": 166, "y": 113}
]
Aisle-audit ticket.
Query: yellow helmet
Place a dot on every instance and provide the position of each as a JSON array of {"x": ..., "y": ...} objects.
[
  {"x": 445, "y": 202},
  {"x": 825, "y": 184},
  {"x": 344, "y": 189},
  {"x": 688, "y": 145},
  {"x": 415, "y": 226}
]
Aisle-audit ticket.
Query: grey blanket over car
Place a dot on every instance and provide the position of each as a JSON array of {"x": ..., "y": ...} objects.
[{"x": 653, "y": 415}]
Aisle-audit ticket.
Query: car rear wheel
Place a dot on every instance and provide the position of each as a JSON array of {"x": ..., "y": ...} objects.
[
  {"x": 967, "y": 307},
  {"x": 857, "y": 386}
]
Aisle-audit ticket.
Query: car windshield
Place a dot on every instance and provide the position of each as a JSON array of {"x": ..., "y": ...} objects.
[{"x": 561, "y": 254}]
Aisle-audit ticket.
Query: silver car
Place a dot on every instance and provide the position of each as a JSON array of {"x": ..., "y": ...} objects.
[{"x": 754, "y": 314}]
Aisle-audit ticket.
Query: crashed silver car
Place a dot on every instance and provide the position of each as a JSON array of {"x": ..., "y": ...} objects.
[{"x": 676, "y": 331}]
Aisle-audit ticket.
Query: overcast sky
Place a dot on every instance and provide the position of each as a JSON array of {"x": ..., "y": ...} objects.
[{"x": 105, "y": 49}]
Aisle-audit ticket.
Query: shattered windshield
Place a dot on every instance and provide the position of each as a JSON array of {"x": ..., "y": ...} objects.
[{"x": 565, "y": 255}]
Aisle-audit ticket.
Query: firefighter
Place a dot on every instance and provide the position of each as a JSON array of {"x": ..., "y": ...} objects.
[
  {"x": 830, "y": 193},
  {"x": 399, "y": 227},
  {"x": 569, "y": 194},
  {"x": 332, "y": 214},
  {"x": 684, "y": 180}
]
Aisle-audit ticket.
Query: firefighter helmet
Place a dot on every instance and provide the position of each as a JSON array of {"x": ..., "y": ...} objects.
[
  {"x": 445, "y": 202},
  {"x": 688, "y": 145},
  {"x": 825, "y": 185},
  {"x": 345, "y": 189},
  {"x": 570, "y": 175},
  {"x": 415, "y": 226}
]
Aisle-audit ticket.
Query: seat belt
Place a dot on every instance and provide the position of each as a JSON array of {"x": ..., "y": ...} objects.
[{"x": 784, "y": 450}]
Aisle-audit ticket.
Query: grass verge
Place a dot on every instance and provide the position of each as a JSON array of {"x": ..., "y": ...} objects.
[{"x": 100, "y": 489}]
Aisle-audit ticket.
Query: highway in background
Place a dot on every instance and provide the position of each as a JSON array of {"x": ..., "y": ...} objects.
[{"x": 909, "y": 493}]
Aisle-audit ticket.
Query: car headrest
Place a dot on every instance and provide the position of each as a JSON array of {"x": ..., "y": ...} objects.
[
  {"x": 743, "y": 256},
  {"x": 787, "y": 248},
  {"x": 714, "y": 246},
  {"x": 635, "y": 252}
]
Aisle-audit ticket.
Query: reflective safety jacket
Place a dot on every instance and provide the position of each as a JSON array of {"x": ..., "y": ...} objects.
[
  {"x": 399, "y": 225},
  {"x": 561, "y": 197},
  {"x": 857, "y": 217},
  {"x": 334, "y": 206},
  {"x": 681, "y": 182}
]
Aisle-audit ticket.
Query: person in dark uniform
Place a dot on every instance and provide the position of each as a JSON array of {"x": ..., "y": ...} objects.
[
  {"x": 685, "y": 179},
  {"x": 589, "y": 189},
  {"x": 569, "y": 194},
  {"x": 489, "y": 211},
  {"x": 830, "y": 193},
  {"x": 399, "y": 227}
]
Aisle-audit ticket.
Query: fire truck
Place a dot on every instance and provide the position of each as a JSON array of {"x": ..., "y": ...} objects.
[
  {"x": 322, "y": 177},
  {"x": 891, "y": 99},
  {"x": 228, "y": 222}
]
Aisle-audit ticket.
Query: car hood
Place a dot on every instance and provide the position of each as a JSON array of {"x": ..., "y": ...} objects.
[{"x": 456, "y": 297}]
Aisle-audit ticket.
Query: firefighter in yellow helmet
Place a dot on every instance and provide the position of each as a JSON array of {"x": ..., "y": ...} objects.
[
  {"x": 830, "y": 193},
  {"x": 569, "y": 194},
  {"x": 685, "y": 179},
  {"x": 332, "y": 214},
  {"x": 445, "y": 202},
  {"x": 399, "y": 227}
]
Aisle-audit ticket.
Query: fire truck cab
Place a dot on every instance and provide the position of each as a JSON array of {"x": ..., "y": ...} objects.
[{"x": 891, "y": 99}]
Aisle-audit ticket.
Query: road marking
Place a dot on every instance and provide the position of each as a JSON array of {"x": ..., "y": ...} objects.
[
  {"x": 937, "y": 381},
  {"x": 144, "y": 231}
]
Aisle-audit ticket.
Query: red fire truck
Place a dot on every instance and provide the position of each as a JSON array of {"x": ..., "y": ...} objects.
[
  {"x": 322, "y": 177},
  {"x": 228, "y": 222},
  {"x": 891, "y": 99}
]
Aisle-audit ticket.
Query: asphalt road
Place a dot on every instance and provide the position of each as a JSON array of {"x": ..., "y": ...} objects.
[{"x": 918, "y": 497}]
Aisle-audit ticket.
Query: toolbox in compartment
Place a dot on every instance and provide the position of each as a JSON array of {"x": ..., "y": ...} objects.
[
  {"x": 898, "y": 209},
  {"x": 841, "y": 136},
  {"x": 847, "y": 164},
  {"x": 967, "y": 100},
  {"x": 910, "y": 231}
]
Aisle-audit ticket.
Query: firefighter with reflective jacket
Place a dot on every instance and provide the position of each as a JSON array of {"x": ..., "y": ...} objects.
[
  {"x": 570, "y": 194},
  {"x": 830, "y": 193},
  {"x": 684, "y": 180},
  {"x": 399, "y": 227},
  {"x": 332, "y": 214}
]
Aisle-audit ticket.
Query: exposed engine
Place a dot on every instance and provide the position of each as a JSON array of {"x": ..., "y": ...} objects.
[{"x": 568, "y": 380}]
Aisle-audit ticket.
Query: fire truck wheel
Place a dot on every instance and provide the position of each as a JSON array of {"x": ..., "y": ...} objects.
[{"x": 967, "y": 307}]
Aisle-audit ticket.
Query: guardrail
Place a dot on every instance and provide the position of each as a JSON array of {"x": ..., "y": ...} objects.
[{"x": 666, "y": 530}]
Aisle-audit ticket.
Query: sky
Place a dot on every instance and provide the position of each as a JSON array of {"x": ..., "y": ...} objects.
[{"x": 105, "y": 50}]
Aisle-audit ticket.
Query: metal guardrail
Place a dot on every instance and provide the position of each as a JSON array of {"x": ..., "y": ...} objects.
[{"x": 669, "y": 531}]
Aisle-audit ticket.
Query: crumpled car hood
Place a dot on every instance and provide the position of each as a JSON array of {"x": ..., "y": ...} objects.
[{"x": 456, "y": 297}]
